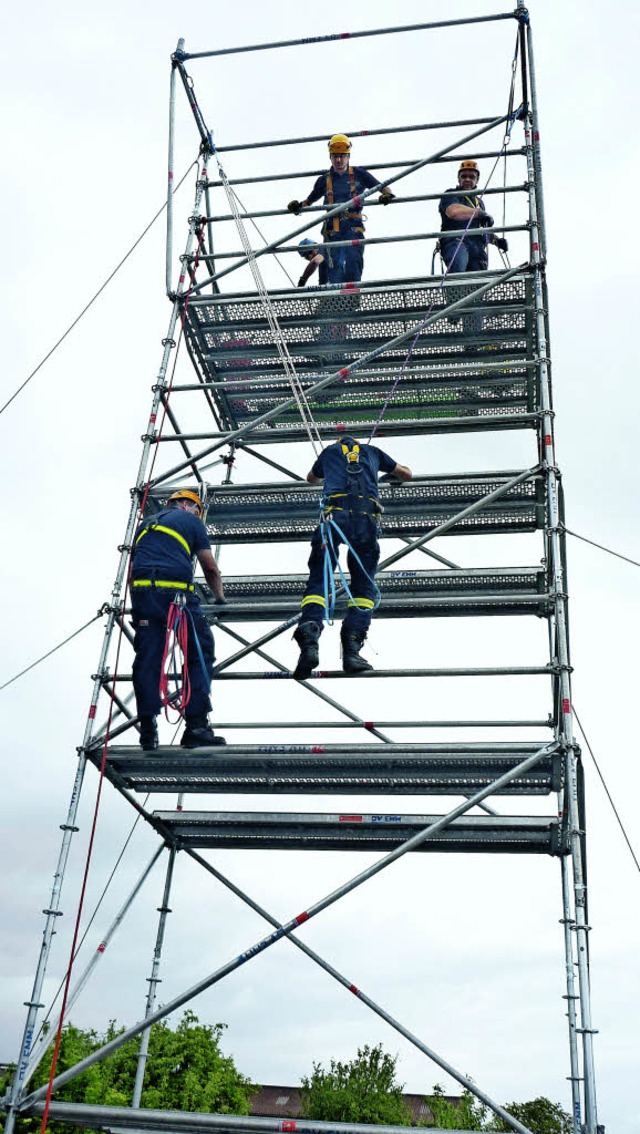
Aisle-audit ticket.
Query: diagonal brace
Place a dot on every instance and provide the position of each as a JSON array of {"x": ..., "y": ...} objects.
[{"x": 293, "y": 924}]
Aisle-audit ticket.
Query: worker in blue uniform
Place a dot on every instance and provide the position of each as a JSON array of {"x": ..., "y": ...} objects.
[
  {"x": 349, "y": 472},
  {"x": 161, "y": 568},
  {"x": 463, "y": 243},
  {"x": 343, "y": 182}
]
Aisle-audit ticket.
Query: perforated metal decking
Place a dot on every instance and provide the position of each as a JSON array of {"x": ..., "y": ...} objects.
[{"x": 467, "y": 353}]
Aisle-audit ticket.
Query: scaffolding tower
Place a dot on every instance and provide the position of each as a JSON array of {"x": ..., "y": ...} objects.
[{"x": 410, "y": 357}]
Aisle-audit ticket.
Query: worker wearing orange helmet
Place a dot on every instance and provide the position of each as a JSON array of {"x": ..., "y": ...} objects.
[
  {"x": 161, "y": 568},
  {"x": 342, "y": 182},
  {"x": 463, "y": 246}
]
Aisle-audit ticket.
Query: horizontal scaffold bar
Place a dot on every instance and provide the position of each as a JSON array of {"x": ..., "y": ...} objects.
[
  {"x": 252, "y": 830},
  {"x": 402, "y": 239},
  {"x": 308, "y": 41},
  {"x": 476, "y": 155},
  {"x": 379, "y": 769},
  {"x": 452, "y": 124},
  {"x": 370, "y": 204},
  {"x": 119, "y": 1118},
  {"x": 276, "y": 512},
  {"x": 383, "y": 724}
]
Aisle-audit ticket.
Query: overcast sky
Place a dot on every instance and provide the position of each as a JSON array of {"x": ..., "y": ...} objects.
[{"x": 467, "y": 953}]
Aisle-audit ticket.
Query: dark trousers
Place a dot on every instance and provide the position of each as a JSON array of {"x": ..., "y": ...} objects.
[
  {"x": 361, "y": 532},
  {"x": 468, "y": 255},
  {"x": 150, "y": 607},
  {"x": 342, "y": 265}
]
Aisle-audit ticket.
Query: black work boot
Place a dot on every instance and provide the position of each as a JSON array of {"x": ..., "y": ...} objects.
[
  {"x": 307, "y": 636},
  {"x": 199, "y": 734},
  {"x": 148, "y": 734},
  {"x": 352, "y": 643}
]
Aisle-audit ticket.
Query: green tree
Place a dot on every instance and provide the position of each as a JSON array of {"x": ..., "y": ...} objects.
[
  {"x": 186, "y": 1070},
  {"x": 540, "y": 1115},
  {"x": 467, "y": 1114},
  {"x": 363, "y": 1090}
]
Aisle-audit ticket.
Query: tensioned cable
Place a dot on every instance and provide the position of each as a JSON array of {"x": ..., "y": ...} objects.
[
  {"x": 601, "y": 546},
  {"x": 103, "y": 610},
  {"x": 97, "y": 294},
  {"x": 297, "y": 390},
  {"x": 608, "y": 793},
  {"x": 507, "y": 138}
]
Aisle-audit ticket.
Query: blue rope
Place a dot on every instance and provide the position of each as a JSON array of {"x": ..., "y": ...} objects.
[{"x": 326, "y": 524}]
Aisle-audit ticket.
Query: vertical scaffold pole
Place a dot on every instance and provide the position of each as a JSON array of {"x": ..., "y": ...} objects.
[
  {"x": 69, "y": 827},
  {"x": 568, "y": 922},
  {"x": 46, "y": 1039},
  {"x": 154, "y": 979},
  {"x": 170, "y": 173},
  {"x": 565, "y": 715}
]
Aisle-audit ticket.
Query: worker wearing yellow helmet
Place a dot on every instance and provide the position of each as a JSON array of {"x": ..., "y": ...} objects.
[
  {"x": 342, "y": 182},
  {"x": 463, "y": 247},
  {"x": 161, "y": 568}
]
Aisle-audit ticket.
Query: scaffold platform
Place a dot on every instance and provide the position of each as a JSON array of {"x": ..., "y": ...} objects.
[
  {"x": 405, "y": 594},
  {"x": 481, "y": 834},
  {"x": 273, "y": 512},
  {"x": 476, "y": 366},
  {"x": 378, "y": 769}
]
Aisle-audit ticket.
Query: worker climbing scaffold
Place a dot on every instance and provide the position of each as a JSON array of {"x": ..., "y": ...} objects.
[
  {"x": 351, "y": 515},
  {"x": 162, "y": 579}
]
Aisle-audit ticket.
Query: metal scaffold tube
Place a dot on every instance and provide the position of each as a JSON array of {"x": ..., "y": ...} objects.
[
  {"x": 342, "y": 364},
  {"x": 294, "y": 923},
  {"x": 565, "y": 715},
  {"x": 154, "y": 979},
  {"x": 349, "y": 35}
]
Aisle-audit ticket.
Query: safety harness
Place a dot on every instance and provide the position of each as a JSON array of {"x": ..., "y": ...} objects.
[
  {"x": 178, "y": 586},
  {"x": 176, "y": 644},
  {"x": 334, "y": 224},
  {"x": 354, "y": 503}
]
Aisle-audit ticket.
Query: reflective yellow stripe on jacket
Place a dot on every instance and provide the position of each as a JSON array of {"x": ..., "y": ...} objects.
[{"x": 167, "y": 531}]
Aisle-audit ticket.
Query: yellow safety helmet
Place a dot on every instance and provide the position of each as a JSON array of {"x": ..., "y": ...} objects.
[
  {"x": 339, "y": 144},
  {"x": 468, "y": 167},
  {"x": 187, "y": 494}
]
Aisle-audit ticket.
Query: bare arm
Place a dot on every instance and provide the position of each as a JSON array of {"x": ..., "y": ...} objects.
[
  {"x": 402, "y": 472},
  {"x": 462, "y": 212},
  {"x": 211, "y": 572}
]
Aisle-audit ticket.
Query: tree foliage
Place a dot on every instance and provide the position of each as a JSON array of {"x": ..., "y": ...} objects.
[
  {"x": 362, "y": 1090},
  {"x": 468, "y": 1114},
  {"x": 540, "y": 1115},
  {"x": 186, "y": 1070}
]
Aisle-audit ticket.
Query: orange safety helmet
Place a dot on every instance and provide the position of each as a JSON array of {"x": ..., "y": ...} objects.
[
  {"x": 187, "y": 494},
  {"x": 339, "y": 144},
  {"x": 468, "y": 167}
]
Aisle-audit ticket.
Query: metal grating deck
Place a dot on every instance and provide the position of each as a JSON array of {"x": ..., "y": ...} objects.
[
  {"x": 378, "y": 769},
  {"x": 273, "y": 512},
  {"x": 473, "y": 365},
  {"x": 488, "y": 591},
  {"x": 352, "y": 832}
]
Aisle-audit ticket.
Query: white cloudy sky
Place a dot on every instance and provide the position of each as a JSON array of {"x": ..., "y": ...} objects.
[{"x": 468, "y": 954}]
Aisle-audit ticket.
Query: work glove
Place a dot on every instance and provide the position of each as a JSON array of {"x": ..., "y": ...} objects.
[
  {"x": 386, "y": 197},
  {"x": 485, "y": 220},
  {"x": 389, "y": 478},
  {"x": 294, "y": 207},
  {"x": 501, "y": 243},
  {"x": 220, "y": 601},
  {"x": 301, "y": 281}
]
